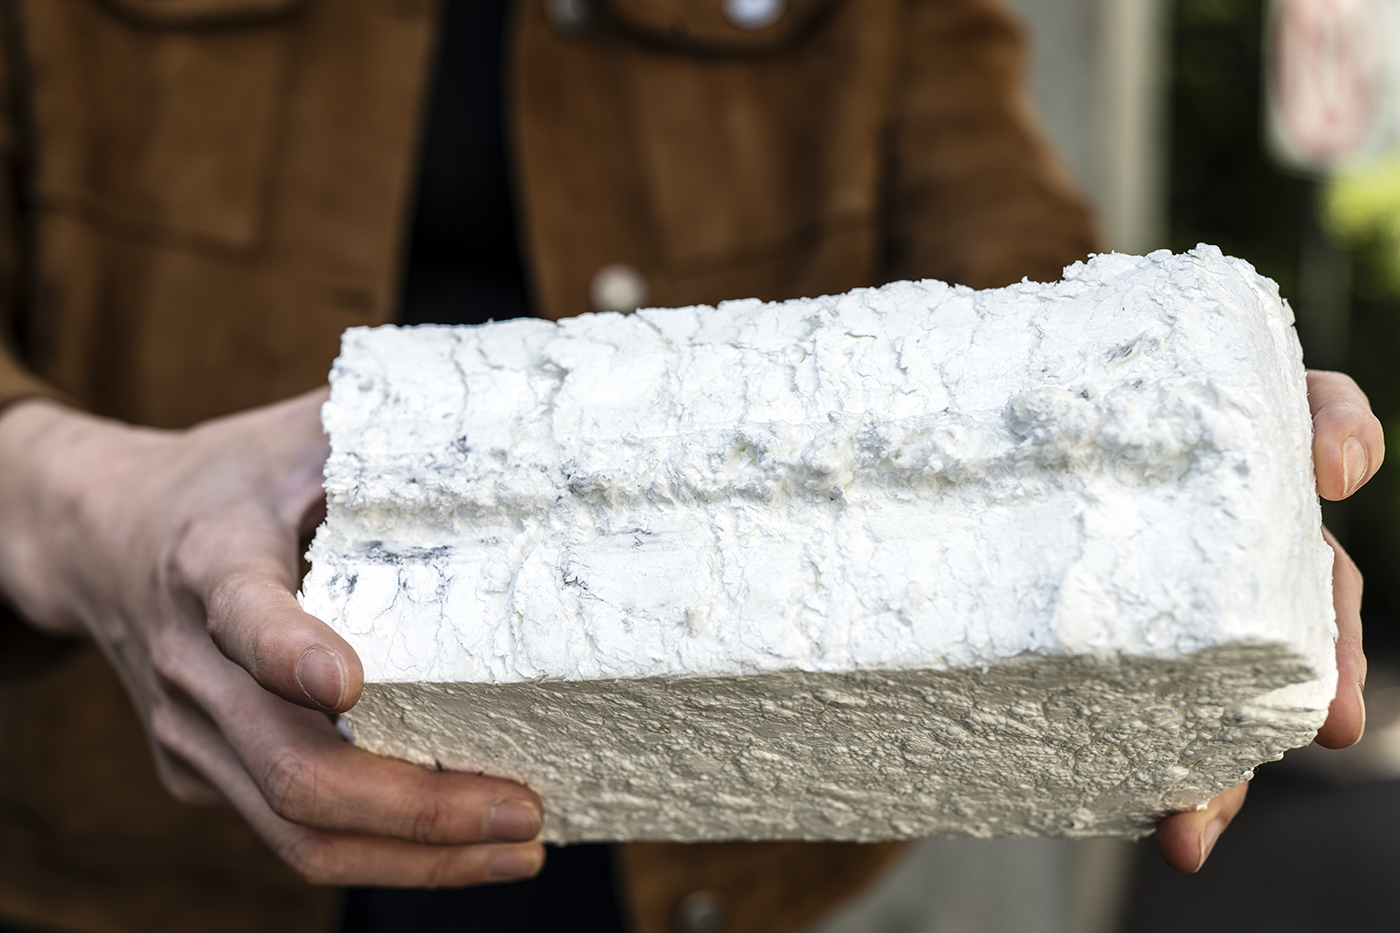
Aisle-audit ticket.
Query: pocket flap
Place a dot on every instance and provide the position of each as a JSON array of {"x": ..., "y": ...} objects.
[
  {"x": 732, "y": 26},
  {"x": 175, "y": 14},
  {"x": 172, "y": 128}
]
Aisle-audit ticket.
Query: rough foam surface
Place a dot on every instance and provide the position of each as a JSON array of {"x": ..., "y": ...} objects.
[{"x": 918, "y": 559}]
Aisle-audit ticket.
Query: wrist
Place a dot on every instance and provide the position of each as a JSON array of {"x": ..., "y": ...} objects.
[{"x": 39, "y": 507}]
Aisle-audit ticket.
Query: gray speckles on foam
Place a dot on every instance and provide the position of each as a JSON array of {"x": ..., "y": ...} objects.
[{"x": 1040, "y": 491}]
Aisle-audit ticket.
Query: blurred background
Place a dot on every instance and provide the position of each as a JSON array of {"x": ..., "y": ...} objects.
[{"x": 1270, "y": 128}]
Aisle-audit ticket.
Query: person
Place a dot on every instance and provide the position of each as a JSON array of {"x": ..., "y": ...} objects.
[{"x": 201, "y": 195}]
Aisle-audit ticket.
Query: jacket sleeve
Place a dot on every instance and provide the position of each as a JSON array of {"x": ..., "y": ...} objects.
[
  {"x": 975, "y": 195},
  {"x": 17, "y": 383}
]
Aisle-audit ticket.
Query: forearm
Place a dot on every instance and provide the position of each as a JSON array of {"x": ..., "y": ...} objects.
[
  {"x": 27, "y": 430},
  {"x": 53, "y": 458}
]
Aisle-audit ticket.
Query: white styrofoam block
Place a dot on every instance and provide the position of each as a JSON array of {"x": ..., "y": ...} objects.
[{"x": 907, "y": 561}]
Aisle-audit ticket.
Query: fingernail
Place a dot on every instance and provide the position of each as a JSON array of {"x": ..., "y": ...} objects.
[
  {"x": 513, "y": 821},
  {"x": 1361, "y": 704},
  {"x": 510, "y": 864},
  {"x": 1353, "y": 463},
  {"x": 1208, "y": 839},
  {"x": 322, "y": 678}
]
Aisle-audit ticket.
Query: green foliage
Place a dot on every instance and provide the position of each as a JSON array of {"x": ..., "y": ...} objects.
[{"x": 1361, "y": 207}]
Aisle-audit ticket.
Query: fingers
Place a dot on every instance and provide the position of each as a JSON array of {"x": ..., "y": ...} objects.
[
  {"x": 332, "y": 855},
  {"x": 308, "y": 775},
  {"x": 1348, "y": 444},
  {"x": 185, "y": 783},
  {"x": 1346, "y": 718},
  {"x": 1186, "y": 839},
  {"x": 1348, "y": 447},
  {"x": 338, "y": 859},
  {"x": 337, "y": 785}
]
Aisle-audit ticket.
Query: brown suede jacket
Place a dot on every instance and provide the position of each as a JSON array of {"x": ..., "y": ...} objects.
[{"x": 198, "y": 196}]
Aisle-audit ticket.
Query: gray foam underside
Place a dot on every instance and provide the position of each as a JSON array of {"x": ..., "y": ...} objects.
[{"x": 1058, "y": 747}]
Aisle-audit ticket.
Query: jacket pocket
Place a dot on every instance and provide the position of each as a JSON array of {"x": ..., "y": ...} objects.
[
  {"x": 756, "y": 154},
  {"x": 160, "y": 115}
]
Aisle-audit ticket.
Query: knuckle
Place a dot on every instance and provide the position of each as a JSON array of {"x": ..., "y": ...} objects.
[
  {"x": 1338, "y": 381},
  {"x": 237, "y": 631},
  {"x": 221, "y": 601},
  {"x": 186, "y": 558},
  {"x": 447, "y": 871},
  {"x": 177, "y": 751},
  {"x": 183, "y": 781},
  {"x": 168, "y": 655},
  {"x": 181, "y": 790},
  {"x": 313, "y": 858},
  {"x": 289, "y": 784},
  {"x": 190, "y": 790},
  {"x": 1348, "y": 576},
  {"x": 177, "y": 784},
  {"x": 168, "y": 726},
  {"x": 433, "y": 821}
]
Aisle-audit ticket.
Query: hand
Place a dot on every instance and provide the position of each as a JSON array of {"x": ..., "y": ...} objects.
[
  {"x": 1348, "y": 447},
  {"x": 177, "y": 553}
]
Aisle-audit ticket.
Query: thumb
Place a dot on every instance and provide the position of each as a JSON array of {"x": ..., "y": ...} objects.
[
  {"x": 1348, "y": 443},
  {"x": 256, "y": 622}
]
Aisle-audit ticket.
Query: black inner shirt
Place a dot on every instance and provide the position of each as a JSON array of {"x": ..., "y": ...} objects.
[{"x": 464, "y": 264}]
